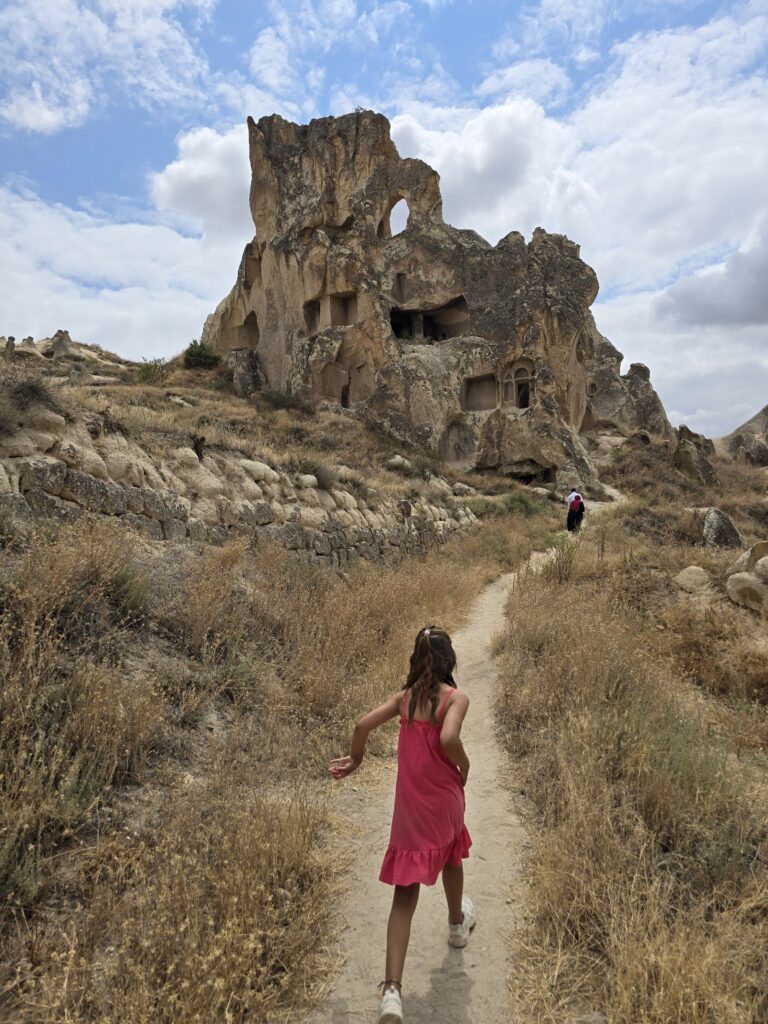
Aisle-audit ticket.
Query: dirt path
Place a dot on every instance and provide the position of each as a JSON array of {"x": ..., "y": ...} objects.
[{"x": 441, "y": 984}]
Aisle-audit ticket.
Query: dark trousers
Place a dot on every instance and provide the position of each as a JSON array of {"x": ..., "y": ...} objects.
[{"x": 574, "y": 520}]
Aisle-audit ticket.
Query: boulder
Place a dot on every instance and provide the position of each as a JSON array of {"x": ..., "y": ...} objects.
[
  {"x": 761, "y": 569},
  {"x": 692, "y": 579},
  {"x": 247, "y": 374},
  {"x": 699, "y": 441},
  {"x": 747, "y": 590},
  {"x": 41, "y": 472},
  {"x": 747, "y": 559},
  {"x": 693, "y": 463},
  {"x": 305, "y": 480},
  {"x": 719, "y": 531},
  {"x": 174, "y": 529},
  {"x": 258, "y": 513},
  {"x": 50, "y": 507},
  {"x": 14, "y": 512},
  {"x": 399, "y": 463},
  {"x": 93, "y": 494},
  {"x": 260, "y": 472},
  {"x": 143, "y": 524}
]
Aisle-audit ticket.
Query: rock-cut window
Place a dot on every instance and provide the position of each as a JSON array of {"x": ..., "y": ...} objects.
[{"x": 518, "y": 387}]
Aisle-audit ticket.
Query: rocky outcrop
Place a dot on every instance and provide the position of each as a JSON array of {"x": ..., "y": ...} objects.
[
  {"x": 58, "y": 467},
  {"x": 749, "y": 442},
  {"x": 486, "y": 356},
  {"x": 747, "y": 579}
]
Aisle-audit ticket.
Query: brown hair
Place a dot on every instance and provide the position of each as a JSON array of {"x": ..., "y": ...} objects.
[{"x": 432, "y": 663}]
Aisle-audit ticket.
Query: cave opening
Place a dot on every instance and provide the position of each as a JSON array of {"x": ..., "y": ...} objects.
[
  {"x": 480, "y": 394},
  {"x": 427, "y": 326}
]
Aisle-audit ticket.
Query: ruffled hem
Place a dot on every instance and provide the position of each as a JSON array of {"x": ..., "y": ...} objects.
[{"x": 407, "y": 867}]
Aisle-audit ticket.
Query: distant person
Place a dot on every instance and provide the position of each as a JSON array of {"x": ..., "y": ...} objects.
[
  {"x": 428, "y": 836},
  {"x": 576, "y": 510}
]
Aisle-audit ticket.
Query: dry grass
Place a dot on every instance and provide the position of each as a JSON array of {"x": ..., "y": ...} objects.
[
  {"x": 71, "y": 723},
  {"x": 214, "y": 686},
  {"x": 213, "y": 915},
  {"x": 648, "y": 879},
  {"x": 648, "y": 475}
]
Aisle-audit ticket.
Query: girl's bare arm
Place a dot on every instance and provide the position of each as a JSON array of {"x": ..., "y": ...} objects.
[
  {"x": 340, "y": 767},
  {"x": 450, "y": 734}
]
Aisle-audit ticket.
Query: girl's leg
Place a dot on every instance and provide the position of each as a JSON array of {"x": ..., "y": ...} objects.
[
  {"x": 453, "y": 883},
  {"x": 399, "y": 928}
]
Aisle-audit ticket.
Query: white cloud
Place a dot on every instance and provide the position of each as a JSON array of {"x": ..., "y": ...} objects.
[
  {"x": 658, "y": 172},
  {"x": 206, "y": 187},
  {"x": 539, "y": 79},
  {"x": 709, "y": 378},
  {"x": 731, "y": 294},
  {"x": 61, "y": 57},
  {"x": 142, "y": 287}
]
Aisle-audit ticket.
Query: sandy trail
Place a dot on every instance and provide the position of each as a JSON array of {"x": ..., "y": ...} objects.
[{"x": 441, "y": 984}]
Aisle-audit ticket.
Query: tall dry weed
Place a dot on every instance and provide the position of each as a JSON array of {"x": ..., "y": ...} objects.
[
  {"x": 219, "y": 912},
  {"x": 647, "y": 851},
  {"x": 71, "y": 722}
]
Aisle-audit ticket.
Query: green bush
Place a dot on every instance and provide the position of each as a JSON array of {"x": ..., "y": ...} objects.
[
  {"x": 200, "y": 355},
  {"x": 513, "y": 503},
  {"x": 152, "y": 371}
]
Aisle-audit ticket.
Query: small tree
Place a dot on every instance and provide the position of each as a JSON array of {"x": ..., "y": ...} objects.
[
  {"x": 152, "y": 371},
  {"x": 199, "y": 354}
]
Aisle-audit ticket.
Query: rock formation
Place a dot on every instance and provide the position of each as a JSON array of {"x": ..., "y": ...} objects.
[
  {"x": 749, "y": 442},
  {"x": 62, "y": 467},
  {"x": 485, "y": 355}
]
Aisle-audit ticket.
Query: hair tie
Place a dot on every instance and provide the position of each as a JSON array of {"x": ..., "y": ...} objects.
[{"x": 426, "y": 632}]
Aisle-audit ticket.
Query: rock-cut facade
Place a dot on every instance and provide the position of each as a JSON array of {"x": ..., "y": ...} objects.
[{"x": 486, "y": 356}]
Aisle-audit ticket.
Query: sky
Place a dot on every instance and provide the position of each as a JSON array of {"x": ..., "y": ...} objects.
[{"x": 638, "y": 129}]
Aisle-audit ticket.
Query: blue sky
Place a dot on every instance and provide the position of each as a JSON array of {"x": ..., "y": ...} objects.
[{"x": 638, "y": 129}]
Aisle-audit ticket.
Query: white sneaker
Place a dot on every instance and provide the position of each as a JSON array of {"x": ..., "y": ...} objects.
[
  {"x": 390, "y": 1008},
  {"x": 458, "y": 934}
]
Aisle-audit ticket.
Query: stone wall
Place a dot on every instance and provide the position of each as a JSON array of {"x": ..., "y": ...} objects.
[{"x": 55, "y": 469}]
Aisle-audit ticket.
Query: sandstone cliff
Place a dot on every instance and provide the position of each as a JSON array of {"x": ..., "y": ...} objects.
[{"x": 486, "y": 356}]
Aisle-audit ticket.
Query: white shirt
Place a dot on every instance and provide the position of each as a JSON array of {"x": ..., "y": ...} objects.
[{"x": 571, "y": 496}]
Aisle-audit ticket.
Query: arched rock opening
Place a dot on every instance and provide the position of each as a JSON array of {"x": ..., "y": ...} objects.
[
  {"x": 519, "y": 383},
  {"x": 244, "y": 335},
  {"x": 395, "y": 218}
]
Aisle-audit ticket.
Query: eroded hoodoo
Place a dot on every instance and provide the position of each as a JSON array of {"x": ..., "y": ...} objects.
[{"x": 485, "y": 355}]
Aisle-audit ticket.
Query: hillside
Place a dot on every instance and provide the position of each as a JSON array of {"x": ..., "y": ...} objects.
[{"x": 174, "y": 688}]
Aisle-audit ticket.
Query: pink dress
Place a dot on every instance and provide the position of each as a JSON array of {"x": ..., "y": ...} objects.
[{"x": 428, "y": 829}]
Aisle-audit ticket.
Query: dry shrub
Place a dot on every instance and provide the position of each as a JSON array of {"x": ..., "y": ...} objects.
[
  {"x": 71, "y": 721},
  {"x": 562, "y": 563},
  {"x": 648, "y": 880},
  {"x": 648, "y": 472},
  {"x": 663, "y": 524},
  {"x": 715, "y": 649},
  {"x": 220, "y": 913}
]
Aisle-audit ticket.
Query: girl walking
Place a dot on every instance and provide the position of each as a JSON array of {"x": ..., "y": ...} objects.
[{"x": 428, "y": 835}]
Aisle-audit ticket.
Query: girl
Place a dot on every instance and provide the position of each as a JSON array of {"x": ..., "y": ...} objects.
[{"x": 428, "y": 835}]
